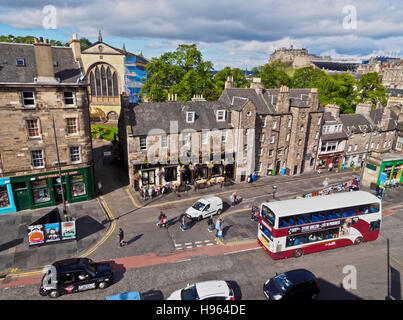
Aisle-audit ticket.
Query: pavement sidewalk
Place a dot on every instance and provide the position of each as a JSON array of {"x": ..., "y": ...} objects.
[{"x": 16, "y": 255}]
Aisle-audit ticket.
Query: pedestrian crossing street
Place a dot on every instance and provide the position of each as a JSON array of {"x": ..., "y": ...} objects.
[{"x": 194, "y": 244}]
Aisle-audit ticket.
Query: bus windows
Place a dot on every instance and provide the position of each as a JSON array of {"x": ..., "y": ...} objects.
[
  {"x": 373, "y": 207},
  {"x": 375, "y": 225},
  {"x": 314, "y": 218},
  {"x": 321, "y": 217},
  {"x": 266, "y": 232},
  {"x": 268, "y": 215}
]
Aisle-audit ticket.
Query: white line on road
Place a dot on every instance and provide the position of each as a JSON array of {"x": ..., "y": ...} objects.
[
  {"x": 243, "y": 250},
  {"x": 188, "y": 243}
]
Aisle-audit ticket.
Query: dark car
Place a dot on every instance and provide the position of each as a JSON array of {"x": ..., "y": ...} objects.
[
  {"x": 75, "y": 275},
  {"x": 297, "y": 284}
]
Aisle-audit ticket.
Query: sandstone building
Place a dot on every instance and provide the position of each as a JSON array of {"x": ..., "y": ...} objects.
[
  {"x": 109, "y": 71},
  {"x": 39, "y": 83},
  {"x": 247, "y": 130}
]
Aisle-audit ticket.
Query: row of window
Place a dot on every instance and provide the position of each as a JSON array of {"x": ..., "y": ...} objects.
[
  {"x": 312, "y": 237},
  {"x": 28, "y": 99},
  {"x": 274, "y": 123},
  {"x": 38, "y": 160},
  {"x": 327, "y": 215},
  {"x": 220, "y": 116},
  {"x": 34, "y": 131}
]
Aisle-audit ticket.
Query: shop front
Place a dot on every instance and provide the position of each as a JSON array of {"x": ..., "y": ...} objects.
[
  {"x": 6, "y": 196},
  {"x": 383, "y": 170},
  {"x": 325, "y": 159},
  {"x": 45, "y": 189}
]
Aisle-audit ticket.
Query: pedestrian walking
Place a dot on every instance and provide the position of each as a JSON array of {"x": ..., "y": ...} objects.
[
  {"x": 253, "y": 213},
  {"x": 330, "y": 166},
  {"x": 122, "y": 242},
  {"x": 210, "y": 224},
  {"x": 183, "y": 222},
  {"x": 99, "y": 187}
]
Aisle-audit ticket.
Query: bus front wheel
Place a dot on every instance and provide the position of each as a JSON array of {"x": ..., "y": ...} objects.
[
  {"x": 298, "y": 253},
  {"x": 358, "y": 240}
]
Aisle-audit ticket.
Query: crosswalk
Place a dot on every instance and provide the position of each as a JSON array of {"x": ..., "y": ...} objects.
[{"x": 193, "y": 244}]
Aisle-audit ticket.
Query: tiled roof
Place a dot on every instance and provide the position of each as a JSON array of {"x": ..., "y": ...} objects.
[{"x": 67, "y": 69}]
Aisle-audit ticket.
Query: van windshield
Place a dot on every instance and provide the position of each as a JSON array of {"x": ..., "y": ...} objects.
[{"x": 198, "y": 206}]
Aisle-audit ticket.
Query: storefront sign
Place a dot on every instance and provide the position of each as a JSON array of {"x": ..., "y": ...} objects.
[
  {"x": 55, "y": 175},
  {"x": 371, "y": 166}
]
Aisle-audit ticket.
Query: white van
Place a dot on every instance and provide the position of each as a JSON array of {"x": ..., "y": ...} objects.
[{"x": 205, "y": 207}]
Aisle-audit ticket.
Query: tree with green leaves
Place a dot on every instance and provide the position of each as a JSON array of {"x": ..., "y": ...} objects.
[
  {"x": 237, "y": 74},
  {"x": 182, "y": 72},
  {"x": 273, "y": 75},
  {"x": 370, "y": 88},
  {"x": 339, "y": 89},
  {"x": 305, "y": 77}
]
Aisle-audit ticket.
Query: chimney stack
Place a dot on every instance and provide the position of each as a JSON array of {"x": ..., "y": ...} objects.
[
  {"x": 283, "y": 100},
  {"x": 76, "y": 47},
  {"x": 44, "y": 62},
  {"x": 229, "y": 83},
  {"x": 257, "y": 85}
]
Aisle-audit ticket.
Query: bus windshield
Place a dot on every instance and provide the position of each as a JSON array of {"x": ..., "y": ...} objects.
[{"x": 268, "y": 215}]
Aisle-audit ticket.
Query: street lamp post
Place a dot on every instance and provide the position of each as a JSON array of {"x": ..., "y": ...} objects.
[
  {"x": 60, "y": 171},
  {"x": 274, "y": 191}
]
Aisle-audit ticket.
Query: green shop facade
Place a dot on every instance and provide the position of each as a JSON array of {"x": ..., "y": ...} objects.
[
  {"x": 42, "y": 190},
  {"x": 383, "y": 169}
]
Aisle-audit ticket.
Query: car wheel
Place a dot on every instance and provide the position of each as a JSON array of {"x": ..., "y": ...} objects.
[
  {"x": 219, "y": 211},
  {"x": 102, "y": 285},
  {"x": 298, "y": 253},
  {"x": 54, "y": 294},
  {"x": 199, "y": 218},
  {"x": 358, "y": 241}
]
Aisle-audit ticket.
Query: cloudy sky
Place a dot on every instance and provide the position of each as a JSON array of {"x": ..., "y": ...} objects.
[{"x": 238, "y": 33}]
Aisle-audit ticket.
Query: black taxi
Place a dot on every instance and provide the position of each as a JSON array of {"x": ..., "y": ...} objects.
[{"x": 75, "y": 275}]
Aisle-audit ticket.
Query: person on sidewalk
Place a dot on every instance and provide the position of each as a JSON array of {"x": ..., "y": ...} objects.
[
  {"x": 99, "y": 187},
  {"x": 122, "y": 242},
  {"x": 182, "y": 220},
  {"x": 330, "y": 166},
  {"x": 210, "y": 224}
]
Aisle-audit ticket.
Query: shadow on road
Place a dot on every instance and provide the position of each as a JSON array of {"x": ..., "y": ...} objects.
[
  {"x": 87, "y": 226},
  {"x": 11, "y": 244},
  {"x": 329, "y": 291}
]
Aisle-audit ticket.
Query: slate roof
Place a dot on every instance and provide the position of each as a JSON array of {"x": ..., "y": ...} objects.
[
  {"x": 394, "y": 92},
  {"x": 68, "y": 70},
  {"x": 158, "y": 115},
  {"x": 140, "y": 58},
  {"x": 265, "y": 103},
  {"x": 356, "y": 120},
  {"x": 376, "y": 116},
  {"x": 334, "y": 136},
  {"x": 328, "y": 117}
]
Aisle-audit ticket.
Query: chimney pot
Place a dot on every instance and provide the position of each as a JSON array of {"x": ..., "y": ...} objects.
[
  {"x": 47, "y": 41},
  {"x": 41, "y": 39},
  {"x": 36, "y": 40}
]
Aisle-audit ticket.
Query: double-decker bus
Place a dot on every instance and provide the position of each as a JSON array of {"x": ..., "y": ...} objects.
[{"x": 291, "y": 228}]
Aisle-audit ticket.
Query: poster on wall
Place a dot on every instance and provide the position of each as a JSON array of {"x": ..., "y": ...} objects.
[
  {"x": 68, "y": 230},
  {"x": 52, "y": 232},
  {"x": 36, "y": 235}
]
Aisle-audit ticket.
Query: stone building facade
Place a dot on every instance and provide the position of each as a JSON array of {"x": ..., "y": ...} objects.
[
  {"x": 109, "y": 72},
  {"x": 40, "y": 83},
  {"x": 249, "y": 130}
]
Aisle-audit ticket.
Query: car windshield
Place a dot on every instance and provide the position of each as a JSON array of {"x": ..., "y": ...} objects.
[
  {"x": 198, "y": 206},
  {"x": 91, "y": 266},
  {"x": 282, "y": 282},
  {"x": 189, "y": 293}
]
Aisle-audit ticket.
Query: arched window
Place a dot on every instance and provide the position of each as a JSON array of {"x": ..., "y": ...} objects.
[
  {"x": 92, "y": 83},
  {"x": 103, "y": 79},
  {"x": 98, "y": 81},
  {"x": 109, "y": 82},
  {"x": 115, "y": 85}
]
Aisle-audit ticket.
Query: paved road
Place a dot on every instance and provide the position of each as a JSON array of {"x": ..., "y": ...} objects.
[{"x": 167, "y": 259}]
